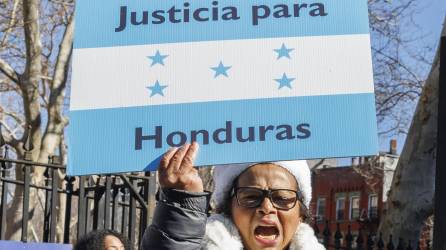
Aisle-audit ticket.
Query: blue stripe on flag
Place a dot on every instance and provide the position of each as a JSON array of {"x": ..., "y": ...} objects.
[
  {"x": 110, "y": 133},
  {"x": 97, "y": 20}
]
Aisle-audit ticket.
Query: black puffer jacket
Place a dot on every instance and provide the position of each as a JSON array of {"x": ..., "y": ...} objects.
[{"x": 179, "y": 222}]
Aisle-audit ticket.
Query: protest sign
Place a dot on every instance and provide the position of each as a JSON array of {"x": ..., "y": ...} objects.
[
  {"x": 17, "y": 245},
  {"x": 248, "y": 80}
]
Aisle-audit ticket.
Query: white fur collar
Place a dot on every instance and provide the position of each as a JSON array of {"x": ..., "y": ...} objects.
[{"x": 221, "y": 233}]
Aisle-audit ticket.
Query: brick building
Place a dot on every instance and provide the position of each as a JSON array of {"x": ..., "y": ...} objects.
[{"x": 354, "y": 195}]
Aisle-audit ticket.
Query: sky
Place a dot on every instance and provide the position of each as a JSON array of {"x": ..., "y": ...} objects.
[{"x": 429, "y": 17}]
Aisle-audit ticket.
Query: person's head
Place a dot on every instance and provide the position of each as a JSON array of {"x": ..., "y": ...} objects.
[
  {"x": 266, "y": 201},
  {"x": 102, "y": 240}
]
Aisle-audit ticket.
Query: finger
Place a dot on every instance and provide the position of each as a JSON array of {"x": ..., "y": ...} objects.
[
  {"x": 189, "y": 157},
  {"x": 196, "y": 147},
  {"x": 177, "y": 158},
  {"x": 166, "y": 158}
]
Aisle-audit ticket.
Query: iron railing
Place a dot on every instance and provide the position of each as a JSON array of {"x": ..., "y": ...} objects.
[
  {"x": 122, "y": 202},
  {"x": 364, "y": 240}
]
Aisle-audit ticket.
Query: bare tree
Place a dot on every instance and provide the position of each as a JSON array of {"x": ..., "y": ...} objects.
[
  {"x": 35, "y": 48},
  {"x": 411, "y": 197},
  {"x": 399, "y": 65}
]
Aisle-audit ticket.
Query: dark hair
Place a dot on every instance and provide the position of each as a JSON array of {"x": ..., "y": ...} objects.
[{"x": 94, "y": 240}]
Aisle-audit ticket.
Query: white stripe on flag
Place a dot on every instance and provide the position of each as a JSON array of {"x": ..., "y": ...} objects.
[{"x": 322, "y": 65}]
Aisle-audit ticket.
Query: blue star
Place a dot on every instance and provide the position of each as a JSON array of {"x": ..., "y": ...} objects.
[
  {"x": 221, "y": 70},
  {"x": 157, "y": 89},
  {"x": 283, "y": 52},
  {"x": 157, "y": 58},
  {"x": 285, "y": 81}
]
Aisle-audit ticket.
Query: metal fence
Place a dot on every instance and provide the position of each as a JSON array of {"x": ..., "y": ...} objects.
[
  {"x": 364, "y": 240},
  {"x": 122, "y": 202},
  {"x": 125, "y": 203}
]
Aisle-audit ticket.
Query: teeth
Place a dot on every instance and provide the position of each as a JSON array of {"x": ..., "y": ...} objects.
[{"x": 267, "y": 237}]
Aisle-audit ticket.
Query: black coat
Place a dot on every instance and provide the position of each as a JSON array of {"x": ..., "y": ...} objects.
[{"x": 179, "y": 221}]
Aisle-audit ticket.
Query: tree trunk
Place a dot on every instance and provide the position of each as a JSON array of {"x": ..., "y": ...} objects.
[
  {"x": 29, "y": 86},
  {"x": 411, "y": 197}
]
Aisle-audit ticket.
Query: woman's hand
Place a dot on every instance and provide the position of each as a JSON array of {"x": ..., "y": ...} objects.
[{"x": 177, "y": 170}]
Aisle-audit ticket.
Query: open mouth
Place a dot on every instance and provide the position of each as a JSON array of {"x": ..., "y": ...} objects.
[{"x": 266, "y": 233}]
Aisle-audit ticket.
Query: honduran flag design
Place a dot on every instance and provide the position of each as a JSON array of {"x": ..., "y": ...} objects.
[{"x": 249, "y": 80}]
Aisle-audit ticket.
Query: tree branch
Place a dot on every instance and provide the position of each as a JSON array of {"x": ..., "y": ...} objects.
[
  {"x": 58, "y": 83},
  {"x": 16, "y": 117},
  {"x": 32, "y": 41},
  {"x": 11, "y": 23},
  {"x": 63, "y": 59},
  {"x": 56, "y": 121},
  {"x": 9, "y": 72},
  {"x": 9, "y": 137}
]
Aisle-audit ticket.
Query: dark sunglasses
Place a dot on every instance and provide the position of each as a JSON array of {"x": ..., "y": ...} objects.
[{"x": 282, "y": 199}]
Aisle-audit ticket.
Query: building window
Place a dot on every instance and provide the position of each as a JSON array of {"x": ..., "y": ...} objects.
[
  {"x": 373, "y": 206},
  {"x": 354, "y": 207},
  {"x": 340, "y": 205},
  {"x": 320, "y": 209}
]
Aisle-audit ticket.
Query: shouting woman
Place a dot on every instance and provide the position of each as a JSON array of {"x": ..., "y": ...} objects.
[{"x": 260, "y": 206}]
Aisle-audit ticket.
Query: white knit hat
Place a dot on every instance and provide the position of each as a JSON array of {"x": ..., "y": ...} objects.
[{"x": 225, "y": 175}]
